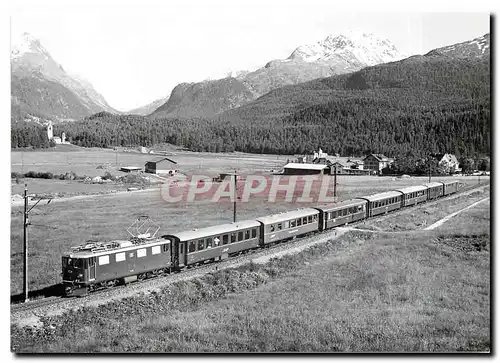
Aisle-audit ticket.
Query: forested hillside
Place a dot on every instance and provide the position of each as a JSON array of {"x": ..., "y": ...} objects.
[
  {"x": 28, "y": 134},
  {"x": 418, "y": 106}
]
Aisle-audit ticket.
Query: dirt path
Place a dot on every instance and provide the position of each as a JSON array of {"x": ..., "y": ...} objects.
[{"x": 448, "y": 217}]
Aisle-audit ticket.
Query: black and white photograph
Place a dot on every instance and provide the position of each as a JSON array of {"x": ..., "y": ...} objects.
[{"x": 248, "y": 177}]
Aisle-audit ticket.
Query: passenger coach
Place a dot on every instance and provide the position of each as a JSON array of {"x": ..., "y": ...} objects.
[
  {"x": 383, "y": 202},
  {"x": 434, "y": 190},
  {"x": 413, "y": 195},
  {"x": 283, "y": 226},
  {"x": 348, "y": 211},
  {"x": 213, "y": 243},
  {"x": 450, "y": 187}
]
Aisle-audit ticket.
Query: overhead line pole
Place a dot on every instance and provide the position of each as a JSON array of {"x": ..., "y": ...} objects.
[
  {"x": 25, "y": 244},
  {"x": 26, "y": 223},
  {"x": 235, "y": 197}
]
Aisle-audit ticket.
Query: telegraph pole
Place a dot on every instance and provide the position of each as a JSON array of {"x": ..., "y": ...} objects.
[
  {"x": 235, "y": 197},
  {"x": 25, "y": 240}
]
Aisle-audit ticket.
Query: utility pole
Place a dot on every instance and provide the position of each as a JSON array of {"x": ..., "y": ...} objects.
[
  {"x": 235, "y": 197},
  {"x": 26, "y": 223}
]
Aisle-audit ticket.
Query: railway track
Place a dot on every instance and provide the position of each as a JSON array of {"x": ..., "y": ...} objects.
[{"x": 154, "y": 283}]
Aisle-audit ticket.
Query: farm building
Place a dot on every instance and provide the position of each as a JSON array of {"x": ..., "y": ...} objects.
[
  {"x": 305, "y": 169},
  {"x": 161, "y": 166}
]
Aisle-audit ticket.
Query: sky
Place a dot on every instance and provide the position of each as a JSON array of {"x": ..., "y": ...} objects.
[{"x": 134, "y": 52}]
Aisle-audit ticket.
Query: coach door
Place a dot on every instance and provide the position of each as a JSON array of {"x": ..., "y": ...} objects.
[
  {"x": 182, "y": 253},
  {"x": 92, "y": 268}
]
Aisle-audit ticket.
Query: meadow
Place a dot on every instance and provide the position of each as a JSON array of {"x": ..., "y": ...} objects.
[
  {"x": 420, "y": 291},
  {"x": 57, "y": 227}
]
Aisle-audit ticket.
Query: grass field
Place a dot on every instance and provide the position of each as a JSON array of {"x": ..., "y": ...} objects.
[
  {"x": 425, "y": 291},
  {"x": 59, "y": 226},
  {"x": 84, "y": 161}
]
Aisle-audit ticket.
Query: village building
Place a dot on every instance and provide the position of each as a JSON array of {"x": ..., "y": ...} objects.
[
  {"x": 334, "y": 165},
  {"x": 448, "y": 162},
  {"x": 305, "y": 169},
  {"x": 376, "y": 162},
  {"x": 161, "y": 166}
]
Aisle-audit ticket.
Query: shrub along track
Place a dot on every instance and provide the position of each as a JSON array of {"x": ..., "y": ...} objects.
[{"x": 29, "y": 313}]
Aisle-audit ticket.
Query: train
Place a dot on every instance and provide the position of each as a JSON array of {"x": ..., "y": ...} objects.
[{"x": 98, "y": 265}]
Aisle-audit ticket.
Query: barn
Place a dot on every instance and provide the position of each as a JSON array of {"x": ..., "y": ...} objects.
[
  {"x": 161, "y": 166},
  {"x": 305, "y": 169}
]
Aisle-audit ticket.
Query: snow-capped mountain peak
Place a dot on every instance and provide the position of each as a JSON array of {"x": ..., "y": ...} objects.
[
  {"x": 26, "y": 43},
  {"x": 354, "y": 46}
]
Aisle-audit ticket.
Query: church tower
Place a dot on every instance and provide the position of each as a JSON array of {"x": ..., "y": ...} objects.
[{"x": 50, "y": 131}]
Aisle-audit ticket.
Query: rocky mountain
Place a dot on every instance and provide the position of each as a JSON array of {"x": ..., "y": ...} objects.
[
  {"x": 42, "y": 87},
  {"x": 147, "y": 109},
  {"x": 476, "y": 48},
  {"x": 205, "y": 98},
  {"x": 339, "y": 54}
]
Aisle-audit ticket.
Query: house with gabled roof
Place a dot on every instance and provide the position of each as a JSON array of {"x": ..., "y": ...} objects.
[
  {"x": 448, "y": 162},
  {"x": 376, "y": 162}
]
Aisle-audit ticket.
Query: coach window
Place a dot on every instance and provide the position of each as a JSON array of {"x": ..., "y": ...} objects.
[
  {"x": 233, "y": 237},
  {"x": 192, "y": 246},
  {"x": 240, "y": 236},
  {"x": 293, "y": 223},
  {"x": 254, "y": 232},
  {"x": 209, "y": 242},
  {"x": 310, "y": 219},
  {"x": 299, "y": 222},
  {"x": 201, "y": 245},
  {"x": 280, "y": 226},
  {"x": 286, "y": 224},
  {"x": 271, "y": 228},
  {"x": 315, "y": 217},
  {"x": 304, "y": 220},
  {"x": 165, "y": 249},
  {"x": 247, "y": 234},
  {"x": 225, "y": 239}
]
